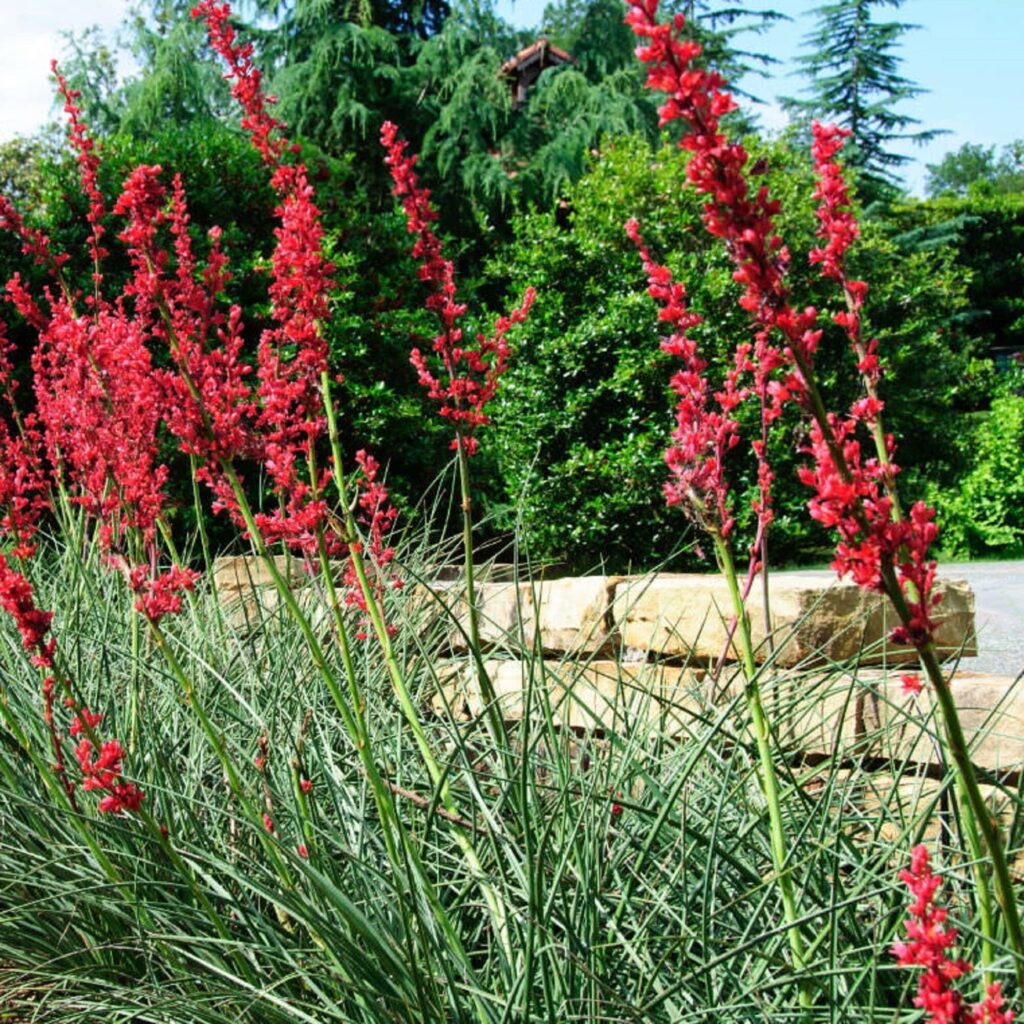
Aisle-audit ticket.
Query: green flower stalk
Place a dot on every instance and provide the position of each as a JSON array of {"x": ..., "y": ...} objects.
[{"x": 879, "y": 548}]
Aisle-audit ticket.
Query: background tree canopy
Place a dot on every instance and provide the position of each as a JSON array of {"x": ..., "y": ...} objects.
[{"x": 536, "y": 192}]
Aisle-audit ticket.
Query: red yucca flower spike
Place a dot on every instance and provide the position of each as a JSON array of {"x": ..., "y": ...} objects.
[
  {"x": 24, "y": 485},
  {"x": 928, "y": 944},
  {"x": 98, "y": 405},
  {"x": 470, "y": 374},
  {"x": 88, "y": 168},
  {"x": 290, "y": 418},
  {"x": 851, "y": 491},
  {"x": 206, "y": 400},
  {"x": 839, "y": 230},
  {"x": 98, "y": 396},
  {"x": 702, "y": 435},
  {"x": 743, "y": 219},
  {"x": 865, "y": 497},
  {"x": 33, "y": 623},
  {"x": 101, "y": 766}
]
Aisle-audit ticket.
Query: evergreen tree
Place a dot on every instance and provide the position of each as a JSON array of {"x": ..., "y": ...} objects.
[
  {"x": 89, "y": 63},
  {"x": 421, "y": 18},
  {"x": 593, "y": 31},
  {"x": 497, "y": 156},
  {"x": 719, "y": 27},
  {"x": 179, "y": 81},
  {"x": 176, "y": 82},
  {"x": 855, "y": 81}
]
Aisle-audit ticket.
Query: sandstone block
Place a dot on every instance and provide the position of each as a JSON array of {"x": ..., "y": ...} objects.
[
  {"x": 248, "y": 595},
  {"x": 598, "y": 695},
  {"x": 571, "y": 614},
  {"x": 836, "y": 715},
  {"x": 882, "y": 806},
  {"x": 244, "y": 572},
  {"x": 814, "y": 619},
  {"x": 574, "y": 614},
  {"x": 990, "y": 708},
  {"x": 502, "y": 609},
  {"x": 816, "y": 714}
]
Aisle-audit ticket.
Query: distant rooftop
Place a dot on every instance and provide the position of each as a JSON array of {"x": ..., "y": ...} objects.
[{"x": 525, "y": 67}]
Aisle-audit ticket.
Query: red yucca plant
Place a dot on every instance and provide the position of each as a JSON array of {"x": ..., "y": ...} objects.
[
  {"x": 102, "y": 403},
  {"x": 854, "y": 491}
]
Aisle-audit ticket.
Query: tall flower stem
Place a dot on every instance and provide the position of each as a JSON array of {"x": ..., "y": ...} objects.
[
  {"x": 373, "y": 609},
  {"x": 401, "y": 851},
  {"x": 978, "y": 817},
  {"x": 473, "y": 614},
  {"x": 496, "y": 723},
  {"x": 767, "y": 775},
  {"x": 976, "y": 814}
]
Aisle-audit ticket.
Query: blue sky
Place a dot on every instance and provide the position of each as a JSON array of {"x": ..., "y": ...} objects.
[{"x": 969, "y": 54}]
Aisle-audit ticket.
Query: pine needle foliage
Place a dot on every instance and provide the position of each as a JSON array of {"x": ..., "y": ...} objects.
[{"x": 854, "y": 80}]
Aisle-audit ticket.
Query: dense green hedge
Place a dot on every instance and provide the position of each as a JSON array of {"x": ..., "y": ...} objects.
[
  {"x": 585, "y": 412},
  {"x": 984, "y": 513},
  {"x": 985, "y": 235}
]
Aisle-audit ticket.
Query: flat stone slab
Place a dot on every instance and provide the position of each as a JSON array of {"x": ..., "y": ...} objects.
[
  {"x": 887, "y": 808},
  {"x": 248, "y": 595},
  {"x": 233, "y": 573},
  {"x": 604, "y": 695},
  {"x": 572, "y": 614},
  {"x": 814, "y": 620},
  {"x": 990, "y": 708},
  {"x": 811, "y": 713},
  {"x": 683, "y": 616}
]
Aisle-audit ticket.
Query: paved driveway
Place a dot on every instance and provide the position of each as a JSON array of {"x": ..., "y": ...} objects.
[{"x": 999, "y": 612}]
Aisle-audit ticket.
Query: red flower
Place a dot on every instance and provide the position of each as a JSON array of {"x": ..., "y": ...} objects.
[
  {"x": 839, "y": 230},
  {"x": 292, "y": 355},
  {"x": 468, "y": 374},
  {"x": 742, "y": 218},
  {"x": 703, "y": 435},
  {"x": 101, "y": 770},
  {"x": 161, "y": 596},
  {"x": 33, "y": 623},
  {"x": 911, "y": 684},
  {"x": 928, "y": 944},
  {"x": 88, "y": 167}
]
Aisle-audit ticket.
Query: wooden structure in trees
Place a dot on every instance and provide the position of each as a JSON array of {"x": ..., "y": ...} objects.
[{"x": 525, "y": 67}]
